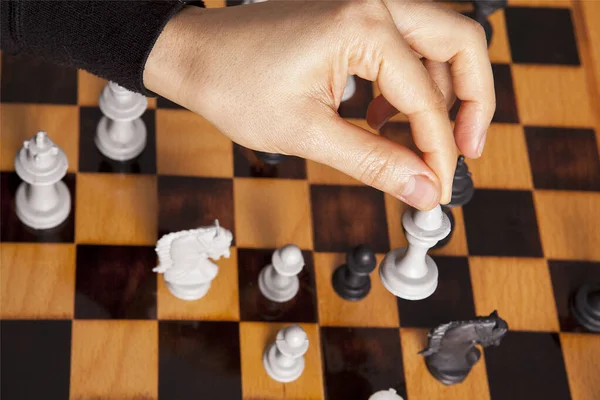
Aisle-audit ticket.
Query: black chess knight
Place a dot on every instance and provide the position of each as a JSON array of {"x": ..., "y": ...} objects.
[{"x": 451, "y": 351}]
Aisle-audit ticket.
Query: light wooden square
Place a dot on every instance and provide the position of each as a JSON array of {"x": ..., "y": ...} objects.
[
  {"x": 189, "y": 145},
  {"x": 505, "y": 161},
  {"x": 499, "y": 49},
  {"x": 540, "y": 3},
  {"x": 421, "y": 385},
  {"x": 581, "y": 353},
  {"x": 378, "y": 309},
  {"x": 116, "y": 209},
  {"x": 37, "y": 280},
  {"x": 270, "y": 213},
  {"x": 568, "y": 224},
  {"x": 90, "y": 86},
  {"x": 221, "y": 303},
  {"x": 114, "y": 360},
  {"x": 20, "y": 122},
  {"x": 520, "y": 289},
  {"x": 256, "y": 384},
  {"x": 552, "y": 95}
]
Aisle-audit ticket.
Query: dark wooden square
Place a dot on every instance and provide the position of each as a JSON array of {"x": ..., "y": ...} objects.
[
  {"x": 360, "y": 361},
  {"x": 90, "y": 158},
  {"x": 115, "y": 282},
  {"x": 356, "y": 106},
  {"x": 541, "y": 35},
  {"x": 255, "y": 307},
  {"x": 30, "y": 80},
  {"x": 161, "y": 102},
  {"x": 199, "y": 360},
  {"x": 13, "y": 230},
  {"x": 527, "y": 365},
  {"x": 452, "y": 300},
  {"x": 563, "y": 158},
  {"x": 506, "y": 103},
  {"x": 346, "y": 216},
  {"x": 502, "y": 223},
  {"x": 36, "y": 359},
  {"x": 247, "y": 164},
  {"x": 567, "y": 277},
  {"x": 192, "y": 202}
]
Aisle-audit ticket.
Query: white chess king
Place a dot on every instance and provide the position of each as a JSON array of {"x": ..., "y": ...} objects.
[
  {"x": 408, "y": 272},
  {"x": 42, "y": 201},
  {"x": 121, "y": 134},
  {"x": 184, "y": 259}
]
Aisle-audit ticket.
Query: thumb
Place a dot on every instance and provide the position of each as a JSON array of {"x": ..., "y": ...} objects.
[{"x": 375, "y": 161}]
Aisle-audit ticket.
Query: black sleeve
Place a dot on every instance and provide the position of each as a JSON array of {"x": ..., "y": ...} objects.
[{"x": 111, "y": 39}]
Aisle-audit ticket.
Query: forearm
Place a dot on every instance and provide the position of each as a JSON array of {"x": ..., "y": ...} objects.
[{"x": 111, "y": 39}]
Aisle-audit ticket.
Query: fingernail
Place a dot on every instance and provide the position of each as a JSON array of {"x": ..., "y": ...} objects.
[
  {"x": 481, "y": 144},
  {"x": 419, "y": 192}
]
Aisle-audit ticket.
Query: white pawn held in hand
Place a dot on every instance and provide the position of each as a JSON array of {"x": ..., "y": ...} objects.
[
  {"x": 42, "y": 201},
  {"x": 350, "y": 88},
  {"x": 408, "y": 272},
  {"x": 284, "y": 359},
  {"x": 278, "y": 281},
  {"x": 121, "y": 134},
  {"x": 184, "y": 259}
]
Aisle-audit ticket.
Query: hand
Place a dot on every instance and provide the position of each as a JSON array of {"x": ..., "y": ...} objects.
[{"x": 270, "y": 76}]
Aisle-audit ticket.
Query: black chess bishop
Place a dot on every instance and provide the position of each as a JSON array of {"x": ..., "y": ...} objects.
[
  {"x": 351, "y": 281},
  {"x": 452, "y": 352}
]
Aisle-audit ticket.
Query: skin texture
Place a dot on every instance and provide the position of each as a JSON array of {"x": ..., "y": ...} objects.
[{"x": 270, "y": 76}]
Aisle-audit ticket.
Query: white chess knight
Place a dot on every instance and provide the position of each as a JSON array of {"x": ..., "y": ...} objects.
[
  {"x": 279, "y": 281},
  {"x": 284, "y": 359},
  {"x": 184, "y": 259},
  {"x": 408, "y": 272},
  {"x": 42, "y": 201},
  {"x": 121, "y": 134}
]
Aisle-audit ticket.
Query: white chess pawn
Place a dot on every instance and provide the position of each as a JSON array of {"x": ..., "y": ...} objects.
[
  {"x": 284, "y": 359},
  {"x": 278, "y": 281},
  {"x": 350, "y": 88},
  {"x": 408, "y": 272},
  {"x": 42, "y": 200},
  {"x": 389, "y": 394},
  {"x": 121, "y": 134}
]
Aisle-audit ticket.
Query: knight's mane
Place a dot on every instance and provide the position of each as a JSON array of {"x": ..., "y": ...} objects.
[
  {"x": 163, "y": 249},
  {"x": 436, "y": 336}
]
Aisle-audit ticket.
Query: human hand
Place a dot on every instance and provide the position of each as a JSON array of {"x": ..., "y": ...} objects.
[{"x": 270, "y": 76}]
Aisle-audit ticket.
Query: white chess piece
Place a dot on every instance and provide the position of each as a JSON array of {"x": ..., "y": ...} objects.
[
  {"x": 278, "y": 281},
  {"x": 253, "y": 1},
  {"x": 350, "y": 88},
  {"x": 408, "y": 272},
  {"x": 42, "y": 200},
  {"x": 183, "y": 259},
  {"x": 121, "y": 134},
  {"x": 284, "y": 359},
  {"x": 389, "y": 394}
]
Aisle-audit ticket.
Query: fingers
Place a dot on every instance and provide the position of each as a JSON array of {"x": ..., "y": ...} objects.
[
  {"x": 375, "y": 161},
  {"x": 380, "y": 110},
  {"x": 442, "y": 35},
  {"x": 407, "y": 86}
]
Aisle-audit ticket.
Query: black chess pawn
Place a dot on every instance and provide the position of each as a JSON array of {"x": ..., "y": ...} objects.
[
  {"x": 270, "y": 158},
  {"x": 462, "y": 192},
  {"x": 585, "y": 306},
  {"x": 483, "y": 9},
  {"x": 351, "y": 281}
]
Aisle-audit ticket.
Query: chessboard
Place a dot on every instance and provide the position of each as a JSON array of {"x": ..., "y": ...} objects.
[{"x": 84, "y": 317}]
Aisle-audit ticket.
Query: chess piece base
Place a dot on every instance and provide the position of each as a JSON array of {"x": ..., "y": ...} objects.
[
  {"x": 270, "y": 158},
  {"x": 581, "y": 310},
  {"x": 48, "y": 219},
  {"x": 278, "y": 372},
  {"x": 404, "y": 286},
  {"x": 272, "y": 293},
  {"x": 445, "y": 377},
  {"x": 188, "y": 292},
  {"x": 347, "y": 292},
  {"x": 121, "y": 151}
]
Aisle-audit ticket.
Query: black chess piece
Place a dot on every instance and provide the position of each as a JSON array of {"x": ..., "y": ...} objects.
[
  {"x": 351, "y": 281},
  {"x": 446, "y": 210},
  {"x": 585, "y": 306},
  {"x": 483, "y": 9},
  {"x": 270, "y": 158},
  {"x": 451, "y": 351}
]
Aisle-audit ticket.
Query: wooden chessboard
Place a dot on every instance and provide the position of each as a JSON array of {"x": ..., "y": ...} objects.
[{"x": 84, "y": 317}]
